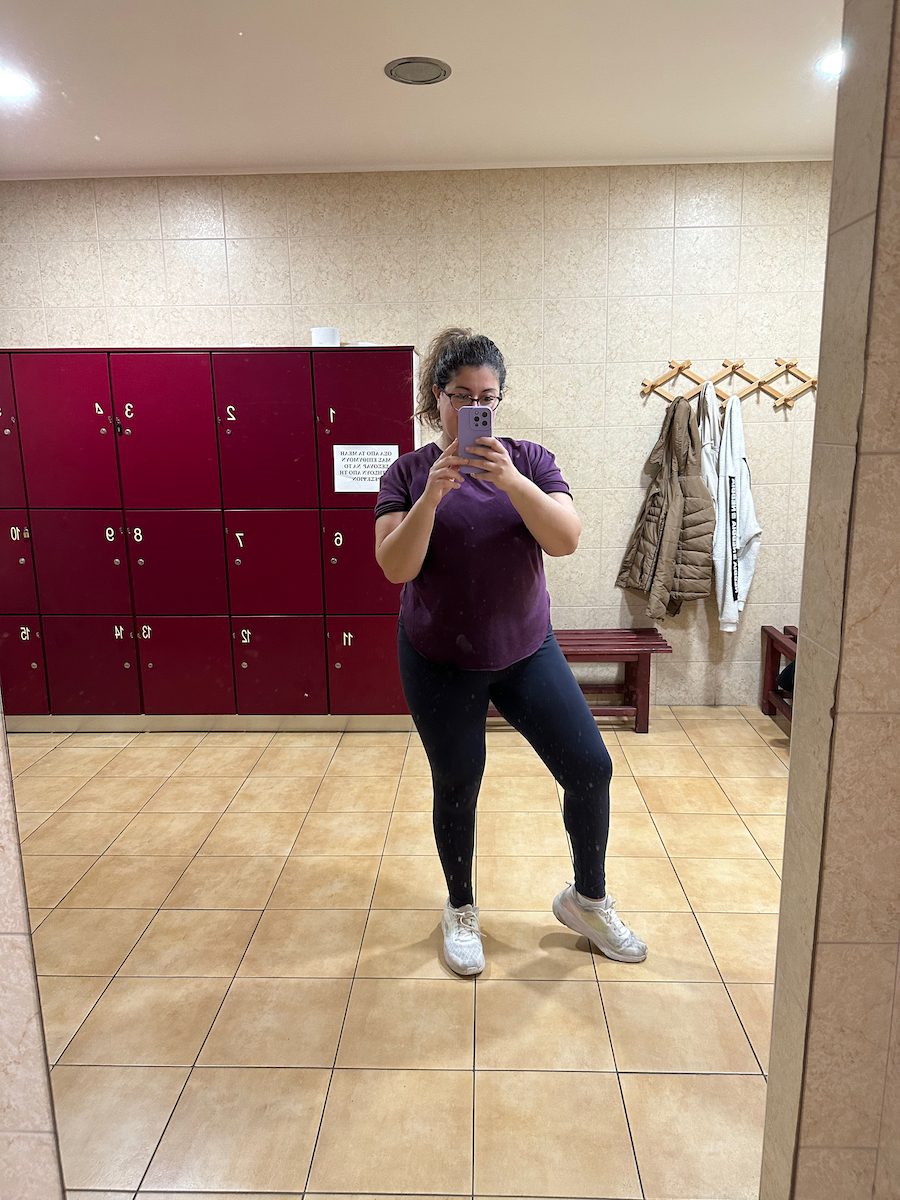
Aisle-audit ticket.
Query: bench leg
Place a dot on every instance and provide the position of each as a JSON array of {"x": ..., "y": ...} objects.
[
  {"x": 771, "y": 664},
  {"x": 637, "y": 691}
]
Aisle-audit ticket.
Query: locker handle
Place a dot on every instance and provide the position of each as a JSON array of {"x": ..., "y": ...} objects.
[
  {"x": 338, "y": 666},
  {"x": 140, "y": 562},
  {"x": 118, "y": 427}
]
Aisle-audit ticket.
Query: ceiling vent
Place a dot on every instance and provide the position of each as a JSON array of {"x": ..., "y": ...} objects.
[{"x": 412, "y": 69}]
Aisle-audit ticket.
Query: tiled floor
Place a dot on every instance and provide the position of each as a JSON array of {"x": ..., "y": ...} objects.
[{"x": 237, "y": 938}]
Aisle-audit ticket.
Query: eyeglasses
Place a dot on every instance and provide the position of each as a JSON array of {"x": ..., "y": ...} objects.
[{"x": 459, "y": 400}]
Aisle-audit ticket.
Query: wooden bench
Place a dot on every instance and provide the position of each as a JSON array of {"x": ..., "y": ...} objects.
[
  {"x": 633, "y": 647},
  {"x": 777, "y": 643}
]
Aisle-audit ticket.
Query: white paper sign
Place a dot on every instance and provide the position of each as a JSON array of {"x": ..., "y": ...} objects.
[{"x": 360, "y": 468}]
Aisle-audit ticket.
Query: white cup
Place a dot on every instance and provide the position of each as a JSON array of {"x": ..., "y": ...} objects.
[{"x": 325, "y": 335}]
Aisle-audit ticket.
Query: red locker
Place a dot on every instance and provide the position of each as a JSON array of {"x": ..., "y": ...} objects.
[
  {"x": 22, "y": 677},
  {"x": 167, "y": 449},
  {"x": 362, "y": 398},
  {"x": 363, "y": 676},
  {"x": 177, "y": 562},
  {"x": 354, "y": 582},
  {"x": 279, "y": 664},
  {"x": 81, "y": 561},
  {"x": 92, "y": 664},
  {"x": 66, "y": 426},
  {"x": 17, "y": 591},
  {"x": 186, "y": 665},
  {"x": 274, "y": 561},
  {"x": 12, "y": 481},
  {"x": 267, "y": 442}
]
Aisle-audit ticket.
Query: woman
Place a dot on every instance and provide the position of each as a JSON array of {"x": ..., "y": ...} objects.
[{"x": 475, "y": 627}]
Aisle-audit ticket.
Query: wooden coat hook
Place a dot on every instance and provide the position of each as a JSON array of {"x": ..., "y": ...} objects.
[{"x": 785, "y": 366}]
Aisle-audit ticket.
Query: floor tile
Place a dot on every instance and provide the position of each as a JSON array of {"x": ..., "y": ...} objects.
[
  {"x": 63, "y": 761},
  {"x": 190, "y": 795},
  {"x": 661, "y": 733},
  {"x": 410, "y": 881},
  {"x": 769, "y": 833},
  {"x": 757, "y": 795},
  {"x": 342, "y": 833},
  {"x": 704, "y": 1036},
  {"x": 692, "y": 835},
  {"x": 533, "y": 945},
  {"x": 771, "y": 732},
  {"x": 48, "y": 877},
  {"x": 231, "y": 882},
  {"x": 743, "y": 944},
  {"x": 273, "y": 793},
  {"x": 620, "y": 763},
  {"x": 534, "y": 834},
  {"x": 253, "y": 833},
  {"x": 155, "y": 741},
  {"x": 278, "y": 1023},
  {"x": 738, "y": 762},
  {"x": 410, "y": 833},
  {"x": 92, "y": 1195},
  {"x": 625, "y": 796},
  {"x": 220, "y": 760},
  {"x": 540, "y": 1025},
  {"x": 520, "y": 884},
  {"x": 729, "y": 885},
  {"x": 88, "y": 941},
  {"x": 278, "y": 759},
  {"x": 363, "y": 740},
  {"x": 705, "y": 712},
  {"x": 27, "y": 822},
  {"x": 634, "y": 835},
  {"x": 514, "y": 762},
  {"x": 777, "y": 866},
  {"x": 408, "y": 1024},
  {"x": 65, "y": 1002},
  {"x": 415, "y": 764},
  {"x": 302, "y": 740},
  {"x": 36, "y": 916},
  {"x": 46, "y": 793},
  {"x": 110, "y": 1119},
  {"x": 357, "y": 760},
  {"x": 240, "y": 1128},
  {"x": 76, "y": 833},
  {"x": 100, "y": 739},
  {"x": 303, "y": 944},
  {"x": 127, "y": 881},
  {"x": 671, "y": 1117},
  {"x": 753, "y": 1002},
  {"x": 165, "y": 833},
  {"x": 147, "y": 1022},
  {"x": 721, "y": 733},
  {"x": 784, "y": 754},
  {"x": 114, "y": 795},
  {"x": 343, "y": 794},
  {"x": 404, "y": 944},
  {"x": 676, "y": 951},
  {"x": 665, "y": 760},
  {"x": 47, "y": 740},
  {"x": 516, "y": 793},
  {"x": 139, "y": 759},
  {"x": 645, "y": 885},
  {"x": 396, "y": 1131},
  {"x": 414, "y": 794},
  {"x": 228, "y": 740},
  {"x": 524, "y": 1142},
  {"x": 660, "y": 712},
  {"x": 673, "y": 794},
  {"x": 323, "y": 881},
  {"x": 192, "y": 943}
]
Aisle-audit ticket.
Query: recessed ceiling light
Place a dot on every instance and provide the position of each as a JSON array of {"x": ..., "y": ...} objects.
[
  {"x": 417, "y": 70},
  {"x": 14, "y": 86},
  {"x": 831, "y": 64}
]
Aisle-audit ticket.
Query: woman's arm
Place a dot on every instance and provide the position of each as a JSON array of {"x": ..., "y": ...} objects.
[{"x": 550, "y": 517}]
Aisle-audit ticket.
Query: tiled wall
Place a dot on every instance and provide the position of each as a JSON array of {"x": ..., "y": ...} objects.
[
  {"x": 833, "y": 1118},
  {"x": 589, "y": 279}
]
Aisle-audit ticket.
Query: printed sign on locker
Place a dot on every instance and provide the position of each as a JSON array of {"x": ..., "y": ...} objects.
[{"x": 360, "y": 468}]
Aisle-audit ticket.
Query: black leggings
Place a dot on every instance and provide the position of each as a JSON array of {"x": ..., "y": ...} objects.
[{"x": 540, "y": 698}]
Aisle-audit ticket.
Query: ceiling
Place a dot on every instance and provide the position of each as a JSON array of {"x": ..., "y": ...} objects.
[{"x": 144, "y": 87}]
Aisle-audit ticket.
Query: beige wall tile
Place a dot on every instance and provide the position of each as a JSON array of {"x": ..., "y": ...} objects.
[
  {"x": 578, "y": 454},
  {"x": 196, "y": 271},
  {"x": 197, "y": 325},
  {"x": 255, "y": 206},
  {"x": 382, "y": 203},
  {"x": 642, "y": 196},
  {"x": 704, "y": 325},
  {"x": 574, "y": 330},
  {"x": 70, "y": 274},
  {"x": 325, "y": 313},
  {"x": 23, "y": 327},
  {"x": 445, "y": 314},
  {"x": 839, "y": 1174},
  {"x": 387, "y": 324},
  {"x": 384, "y": 267},
  {"x": 575, "y": 262},
  {"x": 522, "y": 401},
  {"x": 321, "y": 270},
  {"x": 766, "y": 320},
  {"x": 775, "y": 193},
  {"x": 814, "y": 266},
  {"x": 63, "y": 209},
  {"x": 511, "y": 263},
  {"x": 820, "y": 182},
  {"x": 318, "y": 205},
  {"x": 511, "y": 199},
  {"x": 880, "y": 425},
  {"x": 25, "y": 1099},
  {"x": 73, "y": 327},
  {"x": 576, "y": 197},
  {"x": 446, "y": 201},
  {"x": 191, "y": 206},
  {"x": 127, "y": 209},
  {"x": 707, "y": 260},
  {"x": 16, "y": 210},
  {"x": 772, "y": 258},
  {"x": 640, "y": 262},
  {"x": 263, "y": 325},
  {"x": 133, "y": 272},
  {"x": 826, "y": 544},
  {"x": 685, "y": 682},
  {"x": 708, "y": 193},
  {"x": 258, "y": 271},
  {"x": 517, "y": 328},
  {"x": 448, "y": 266},
  {"x": 20, "y": 274},
  {"x": 639, "y": 328},
  {"x": 29, "y": 1166}
]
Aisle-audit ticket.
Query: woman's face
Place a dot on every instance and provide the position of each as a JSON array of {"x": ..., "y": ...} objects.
[{"x": 478, "y": 383}]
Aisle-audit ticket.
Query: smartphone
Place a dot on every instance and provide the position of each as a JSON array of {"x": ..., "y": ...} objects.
[{"x": 474, "y": 422}]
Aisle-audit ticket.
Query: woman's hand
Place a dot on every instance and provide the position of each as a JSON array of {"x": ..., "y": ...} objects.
[
  {"x": 443, "y": 476},
  {"x": 494, "y": 463}
]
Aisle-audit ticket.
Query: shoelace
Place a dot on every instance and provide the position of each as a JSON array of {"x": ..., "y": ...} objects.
[
  {"x": 469, "y": 922},
  {"x": 617, "y": 925}
]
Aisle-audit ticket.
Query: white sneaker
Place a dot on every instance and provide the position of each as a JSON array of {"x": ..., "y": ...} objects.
[
  {"x": 603, "y": 926},
  {"x": 462, "y": 939}
]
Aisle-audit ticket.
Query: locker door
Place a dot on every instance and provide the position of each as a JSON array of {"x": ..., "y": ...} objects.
[
  {"x": 66, "y": 426},
  {"x": 274, "y": 561},
  {"x": 92, "y": 664},
  {"x": 22, "y": 678},
  {"x": 354, "y": 582},
  {"x": 167, "y": 449},
  {"x": 186, "y": 665},
  {"x": 363, "y": 676},
  {"x": 177, "y": 562},
  {"x": 12, "y": 481},
  {"x": 80, "y": 560},
  {"x": 267, "y": 441},
  {"x": 279, "y": 664},
  {"x": 363, "y": 397},
  {"x": 17, "y": 591}
]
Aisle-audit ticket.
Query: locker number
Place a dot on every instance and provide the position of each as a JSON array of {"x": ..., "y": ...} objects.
[
  {"x": 339, "y": 539},
  {"x": 331, "y": 415},
  {"x": 245, "y": 637},
  {"x": 25, "y": 633},
  {"x": 110, "y": 534},
  {"x": 119, "y": 631},
  {"x": 99, "y": 410},
  {"x": 138, "y": 534},
  {"x": 15, "y": 533},
  {"x": 145, "y": 632},
  {"x": 348, "y": 639},
  {"x": 240, "y": 539},
  {"x": 129, "y": 411},
  {"x": 229, "y": 409}
]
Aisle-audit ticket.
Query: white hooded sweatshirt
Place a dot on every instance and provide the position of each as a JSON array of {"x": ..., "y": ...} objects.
[
  {"x": 708, "y": 419},
  {"x": 737, "y": 536}
]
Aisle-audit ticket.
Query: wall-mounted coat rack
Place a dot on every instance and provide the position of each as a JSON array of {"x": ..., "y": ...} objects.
[{"x": 784, "y": 366}]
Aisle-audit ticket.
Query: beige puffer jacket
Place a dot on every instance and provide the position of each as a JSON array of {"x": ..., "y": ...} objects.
[{"x": 669, "y": 556}]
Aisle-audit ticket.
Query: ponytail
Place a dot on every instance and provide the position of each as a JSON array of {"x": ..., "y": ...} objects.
[{"x": 451, "y": 350}]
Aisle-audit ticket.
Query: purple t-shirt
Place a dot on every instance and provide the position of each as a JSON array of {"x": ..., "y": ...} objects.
[{"x": 480, "y": 600}]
